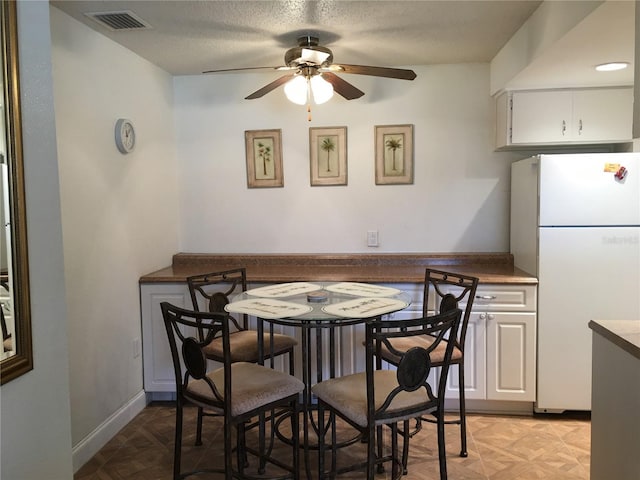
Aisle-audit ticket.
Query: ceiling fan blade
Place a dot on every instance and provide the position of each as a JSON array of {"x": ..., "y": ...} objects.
[
  {"x": 342, "y": 87},
  {"x": 244, "y": 69},
  {"x": 399, "y": 73},
  {"x": 271, "y": 86}
]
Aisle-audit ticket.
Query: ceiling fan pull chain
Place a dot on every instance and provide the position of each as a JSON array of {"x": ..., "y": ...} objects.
[{"x": 308, "y": 97}]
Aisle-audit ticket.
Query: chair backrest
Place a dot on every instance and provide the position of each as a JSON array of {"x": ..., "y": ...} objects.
[
  {"x": 188, "y": 331},
  {"x": 214, "y": 289},
  {"x": 447, "y": 290},
  {"x": 414, "y": 364}
]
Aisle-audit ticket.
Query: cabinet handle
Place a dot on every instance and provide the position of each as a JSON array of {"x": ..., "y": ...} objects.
[
  {"x": 564, "y": 127},
  {"x": 483, "y": 316},
  {"x": 580, "y": 127},
  {"x": 486, "y": 297}
]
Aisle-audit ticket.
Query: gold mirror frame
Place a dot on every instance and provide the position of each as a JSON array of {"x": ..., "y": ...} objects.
[{"x": 22, "y": 360}]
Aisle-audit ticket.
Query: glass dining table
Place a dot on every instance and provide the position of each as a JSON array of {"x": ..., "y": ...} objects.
[{"x": 318, "y": 309}]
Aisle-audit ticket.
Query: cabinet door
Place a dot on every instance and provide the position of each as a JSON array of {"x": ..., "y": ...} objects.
[
  {"x": 511, "y": 357},
  {"x": 602, "y": 114},
  {"x": 158, "y": 365},
  {"x": 474, "y": 362},
  {"x": 541, "y": 116}
]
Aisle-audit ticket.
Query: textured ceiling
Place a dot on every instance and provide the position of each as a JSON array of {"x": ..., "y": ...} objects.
[{"x": 188, "y": 37}]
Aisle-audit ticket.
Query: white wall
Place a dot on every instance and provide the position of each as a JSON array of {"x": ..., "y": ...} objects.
[
  {"x": 458, "y": 202},
  {"x": 34, "y": 416},
  {"x": 119, "y": 216},
  {"x": 550, "y": 22}
]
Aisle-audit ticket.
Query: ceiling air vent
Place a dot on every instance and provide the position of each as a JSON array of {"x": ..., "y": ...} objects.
[{"x": 124, "y": 20}]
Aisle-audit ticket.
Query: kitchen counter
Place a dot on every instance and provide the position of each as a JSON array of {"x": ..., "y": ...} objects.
[
  {"x": 615, "y": 396},
  {"x": 375, "y": 268},
  {"x": 623, "y": 333}
]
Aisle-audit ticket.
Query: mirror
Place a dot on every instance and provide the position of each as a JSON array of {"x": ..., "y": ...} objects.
[{"x": 16, "y": 355}]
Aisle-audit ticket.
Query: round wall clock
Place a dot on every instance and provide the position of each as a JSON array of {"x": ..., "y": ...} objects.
[{"x": 125, "y": 135}]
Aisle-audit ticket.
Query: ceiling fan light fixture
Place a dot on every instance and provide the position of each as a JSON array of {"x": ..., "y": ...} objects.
[
  {"x": 296, "y": 90},
  {"x": 301, "y": 89},
  {"x": 321, "y": 89}
]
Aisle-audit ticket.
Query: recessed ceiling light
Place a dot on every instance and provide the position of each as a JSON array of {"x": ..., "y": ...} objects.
[{"x": 612, "y": 66}]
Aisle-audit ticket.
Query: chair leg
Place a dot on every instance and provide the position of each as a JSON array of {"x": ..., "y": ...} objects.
[
  {"x": 380, "y": 444},
  {"x": 405, "y": 447},
  {"x": 442, "y": 454},
  {"x": 177, "y": 447},
  {"x": 241, "y": 457},
  {"x": 334, "y": 442},
  {"x": 371, "y": 450},
  {"x": 262, "y": 464},
  {"x": 394, "y": 450},
  {"x": 199, "y": 427},
  {"x": 321, "y": 447},
  {"x": 291, "y": 363},
  {"x": 463, "y": 412},
  {"x": 228, "y": 448},
  {"x": 295, "y": 435}
]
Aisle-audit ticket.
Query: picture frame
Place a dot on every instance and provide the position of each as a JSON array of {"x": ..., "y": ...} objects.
[
  {"x": 264, "y": 158},
  {"x": 394, "y": 154},
  {"x": 328, "y": 155}
]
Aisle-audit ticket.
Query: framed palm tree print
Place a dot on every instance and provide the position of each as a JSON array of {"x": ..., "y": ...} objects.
[
  {"x": 264, "y": 158},
  {"x": 394, "y": 154},
  {"x": 328, "y": 155}
]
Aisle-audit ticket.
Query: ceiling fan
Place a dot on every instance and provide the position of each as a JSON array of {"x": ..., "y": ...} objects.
[{"x": 311, "y": 66}]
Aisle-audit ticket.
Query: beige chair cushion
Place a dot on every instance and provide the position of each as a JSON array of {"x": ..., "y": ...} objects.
[
  {"x": 252, "y": 386},
  {"x": 349, "y": 394},
  {"x": 244, "y": 346},
  {"x": 405, "y": 343}
]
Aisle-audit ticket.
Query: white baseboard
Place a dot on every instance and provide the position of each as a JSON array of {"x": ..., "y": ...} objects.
[{"x": 92, "y": 443}]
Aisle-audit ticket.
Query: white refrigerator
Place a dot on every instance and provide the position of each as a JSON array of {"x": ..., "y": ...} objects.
[{"x": 575, "y": 224}]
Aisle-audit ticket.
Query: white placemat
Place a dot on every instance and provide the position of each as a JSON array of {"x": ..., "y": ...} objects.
[
  {"x": 365, "y": 307},
  {"x": 267, "y": 308},
  {"x": 283, "y": 290},
  {"x": 363, "y": 289}
]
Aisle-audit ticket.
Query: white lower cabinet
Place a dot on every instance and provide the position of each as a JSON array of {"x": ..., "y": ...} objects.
[
  {"x": 156, "y": 357},
  {"x": 511, "y": 359},
  {"x": 500, "y": 348}
]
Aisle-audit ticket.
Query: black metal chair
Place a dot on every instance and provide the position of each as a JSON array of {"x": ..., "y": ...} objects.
[
  {"x": 237, "y": 391},
  {"x": 444, "y": 291},
  {"x": 212, "y": 291},
  {"x": 374, "y": 398}
]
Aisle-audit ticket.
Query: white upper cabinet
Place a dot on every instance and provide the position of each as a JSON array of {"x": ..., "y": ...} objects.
[
  {"x": 552, "y": 117},
  {"x": 541, "y": 116},
  {"x": 602, "y": 115}
]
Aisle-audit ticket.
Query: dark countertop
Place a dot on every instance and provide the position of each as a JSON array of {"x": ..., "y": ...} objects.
[
  {"x": 623, "y": 333},
  {"x": 375, "y": 268}
]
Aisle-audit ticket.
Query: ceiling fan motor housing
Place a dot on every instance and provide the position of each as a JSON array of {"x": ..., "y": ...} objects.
[{"x": 308, "y": 53}]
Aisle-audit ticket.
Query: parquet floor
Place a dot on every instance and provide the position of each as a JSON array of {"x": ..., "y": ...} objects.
[{"x": 549, "y": 447}]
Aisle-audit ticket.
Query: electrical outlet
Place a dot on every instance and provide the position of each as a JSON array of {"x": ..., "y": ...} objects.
[
  {"x": 136, "y": 347},
  {"x": 372, "y": 238}
]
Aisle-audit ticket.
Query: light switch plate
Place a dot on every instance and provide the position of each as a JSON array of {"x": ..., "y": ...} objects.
[{"x": 372, "y": 238}]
